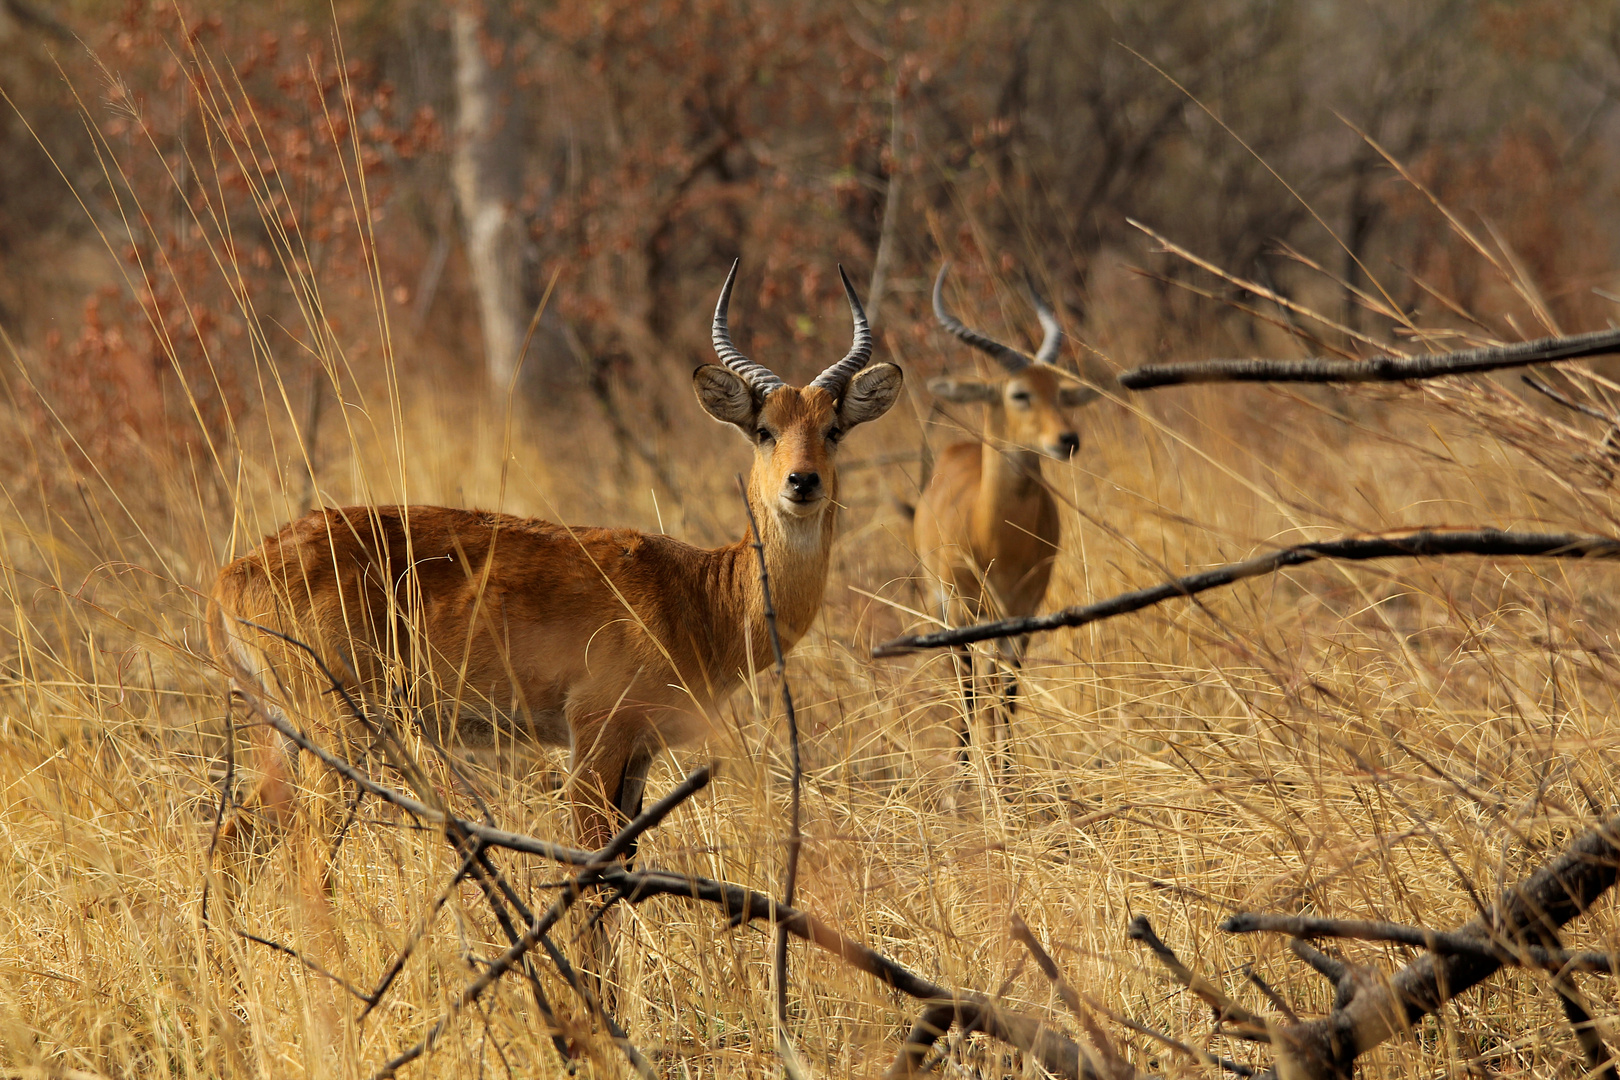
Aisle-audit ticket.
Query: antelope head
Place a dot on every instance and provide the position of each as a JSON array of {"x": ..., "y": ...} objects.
[
  {"x": 1033, "y": 398},
  {"x": 795, "y": 431}
]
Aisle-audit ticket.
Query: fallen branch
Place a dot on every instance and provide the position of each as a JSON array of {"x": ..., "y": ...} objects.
[
  {"x": 1326, "y": 1049},
  {"x": 1515, "y": 953},
  {"x": 1411, "y": 543},
  {"x": 1056, "y": 1052},
  {"x": 601, "y": 861},
  {"x": 1375, "y": 369}
]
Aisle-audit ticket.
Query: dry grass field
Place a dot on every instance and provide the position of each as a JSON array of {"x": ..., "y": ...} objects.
[{"x": 1393, "y": 741}]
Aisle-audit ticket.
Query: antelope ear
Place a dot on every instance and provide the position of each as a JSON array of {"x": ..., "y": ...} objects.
[
  {"x": 963, "y": 391},
  {"x": 870, "y": 394},
  {"x": 1072, "y": 397},
  {"x": 725, "y": 396}
]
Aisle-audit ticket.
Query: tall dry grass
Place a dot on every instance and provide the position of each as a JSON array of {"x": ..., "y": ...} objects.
[{"x": 1375, "y": 741}]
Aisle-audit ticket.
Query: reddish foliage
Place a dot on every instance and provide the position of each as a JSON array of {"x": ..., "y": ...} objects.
[{"x": 240, "y": 159}]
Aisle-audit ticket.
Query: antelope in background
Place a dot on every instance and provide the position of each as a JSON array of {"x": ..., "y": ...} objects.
[
  {"x": 987, "y": 528},
  {"x": 612, "y": 642}
]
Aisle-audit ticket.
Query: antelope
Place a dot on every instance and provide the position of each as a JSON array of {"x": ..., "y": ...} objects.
[
  {"x": 987, "y": 528},
  {"x": 611, "y": 642}
]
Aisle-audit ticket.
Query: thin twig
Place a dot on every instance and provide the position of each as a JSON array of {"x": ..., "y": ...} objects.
[
  {"x": 488, "y": 877},
  {"x": 1112, "y": 1063},
  {"x": 397, "y": 964},
  {"x": 225, "y": 795},
  {"x": 497, "y": 892},
  {"x": 1196, "y": 1053},
  {"x": 1569, "y": 403},
  {"x": 302, "y": 959},
  {"x": 1271, "y": 994},
  {"x": 399, "y": 757},
  {"x": 461, "y": 826},
  {"x": 790, "y": 877},
  {"x": 1405, "y": 543}
]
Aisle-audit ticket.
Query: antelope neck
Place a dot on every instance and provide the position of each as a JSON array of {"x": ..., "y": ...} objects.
[
  {"x": 1008, "y": 473},
  {"x": 798, "y": 571}
]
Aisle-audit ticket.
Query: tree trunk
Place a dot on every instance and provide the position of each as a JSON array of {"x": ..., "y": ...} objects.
[{"x": 487, "y": 171}]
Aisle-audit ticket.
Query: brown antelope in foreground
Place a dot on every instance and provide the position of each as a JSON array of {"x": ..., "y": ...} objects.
[
  {"x": 987, "y": 528},
  {"x": 612, "y": 642}
]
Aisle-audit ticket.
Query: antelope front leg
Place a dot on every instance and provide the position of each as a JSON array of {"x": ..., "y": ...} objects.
[
  {"x": 1012, "y": 657},
  {"x": 962, "y": 665},
  {"x": 269, "y": 805},
  {"x": 605, "y": 787},
  {"x": 608, "y": 770}
]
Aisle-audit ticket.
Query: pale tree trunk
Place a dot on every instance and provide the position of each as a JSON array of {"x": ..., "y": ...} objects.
[{"x": 487, "y": 171}]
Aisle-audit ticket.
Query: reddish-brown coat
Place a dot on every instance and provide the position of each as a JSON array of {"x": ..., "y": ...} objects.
[
  {"x": 498, "y": 628},
  {"x": 987, "y": 529}
]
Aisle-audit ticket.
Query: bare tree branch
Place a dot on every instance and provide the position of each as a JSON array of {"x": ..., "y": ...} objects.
[
  {"x": 1575, "y": 406},
  {"x": 1378, "y": 368},
  {"x": 1406, "y": 543}
]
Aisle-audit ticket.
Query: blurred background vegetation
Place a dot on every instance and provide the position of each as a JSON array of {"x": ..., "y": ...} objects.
[{"x": 628, "y": 151}]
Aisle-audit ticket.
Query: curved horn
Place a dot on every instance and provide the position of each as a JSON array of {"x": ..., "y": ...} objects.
[
  {"x": 837, "y": 377},
  {"x": 758, "y": 376},
  {"x": 1052, "y": 342},
  {"x": 1009, "y": 358}
]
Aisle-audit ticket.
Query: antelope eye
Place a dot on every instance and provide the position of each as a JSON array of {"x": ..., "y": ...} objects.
[
  {"x": 764, "y": 435},
  {"x": 833, "y": 436},
  {"x": 1020, "y": 396}
]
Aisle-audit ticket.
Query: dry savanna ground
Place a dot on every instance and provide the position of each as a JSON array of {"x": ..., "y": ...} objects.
[{"x": 1391, "y": 741}]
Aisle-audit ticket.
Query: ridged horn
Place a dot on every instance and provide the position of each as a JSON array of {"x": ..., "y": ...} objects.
[
  {"x": 758, "y": 376},
  {"x": 1052, "y": 339},
  {"x": 1008, "y": 357},
  {"x": 837, "y": 377}
]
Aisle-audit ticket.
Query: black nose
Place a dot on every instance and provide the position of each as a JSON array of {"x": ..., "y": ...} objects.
[
  {"x": 1068, "y": 444},
  {"x": 804, "y": 483}
]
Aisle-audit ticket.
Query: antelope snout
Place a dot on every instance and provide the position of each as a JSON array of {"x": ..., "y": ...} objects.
[
  {"x": 803, "y": 486},
  {"x": 1065, "y": 446}
]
